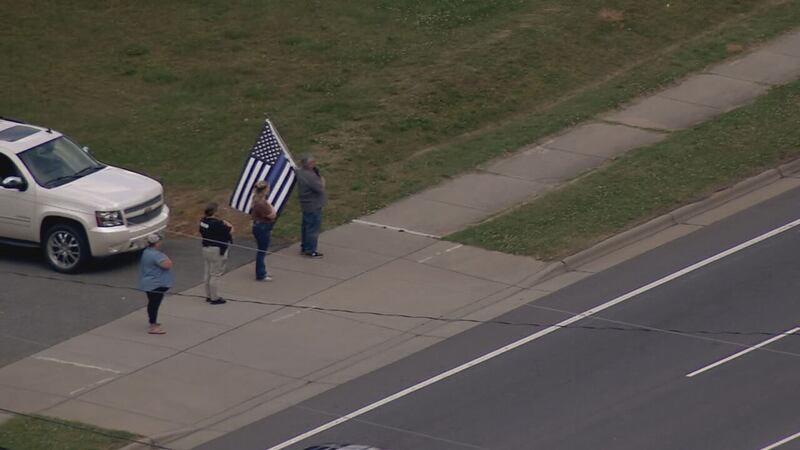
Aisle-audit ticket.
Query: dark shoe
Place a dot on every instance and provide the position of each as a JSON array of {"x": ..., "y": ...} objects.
[
  {"x": 314, "y": 255},
  {"x": 208, "y": 299},
  {"x": 218, "y": 301}
]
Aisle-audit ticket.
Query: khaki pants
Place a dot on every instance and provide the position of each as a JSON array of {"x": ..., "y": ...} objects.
[{"x": 215, "y": 268}]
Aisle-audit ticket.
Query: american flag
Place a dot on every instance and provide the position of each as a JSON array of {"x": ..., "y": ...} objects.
[{"x": 269, "y": 160}]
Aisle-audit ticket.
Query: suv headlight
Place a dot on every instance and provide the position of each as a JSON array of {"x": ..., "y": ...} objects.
[{"x": 109, "y": 218}]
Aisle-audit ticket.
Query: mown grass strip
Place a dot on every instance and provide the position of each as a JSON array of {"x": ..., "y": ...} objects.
[
  {"x": 39, "y": 433},
  {"x": 364, "y": 84},
  {"x": 650, "y": 181}
]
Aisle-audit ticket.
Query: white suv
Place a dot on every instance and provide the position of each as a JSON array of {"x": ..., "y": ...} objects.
[{"x": 55, "y": 195}]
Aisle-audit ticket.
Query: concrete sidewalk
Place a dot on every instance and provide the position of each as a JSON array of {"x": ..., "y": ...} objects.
[{"x": 222, "y": 367}]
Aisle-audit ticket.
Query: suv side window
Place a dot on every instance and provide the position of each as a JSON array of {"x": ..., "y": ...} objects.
[{"x": 8, "y": 168}]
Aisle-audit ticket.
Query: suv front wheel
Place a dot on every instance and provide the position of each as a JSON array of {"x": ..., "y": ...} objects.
[{"x": 66, "y": 248}]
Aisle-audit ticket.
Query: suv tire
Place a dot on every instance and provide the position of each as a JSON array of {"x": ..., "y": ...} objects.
[{"x": 65, "y": 248}]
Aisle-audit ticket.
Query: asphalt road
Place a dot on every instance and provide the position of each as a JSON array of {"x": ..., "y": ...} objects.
[
  {"x": 594, "y": 385},
  {"x": 38, "y": 311}
]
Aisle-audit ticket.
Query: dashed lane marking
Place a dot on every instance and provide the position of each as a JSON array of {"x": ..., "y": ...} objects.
[{"x": 743, "y": 352}]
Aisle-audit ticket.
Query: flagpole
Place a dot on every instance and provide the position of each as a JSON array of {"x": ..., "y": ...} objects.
[{"x": 283, "y": 144}]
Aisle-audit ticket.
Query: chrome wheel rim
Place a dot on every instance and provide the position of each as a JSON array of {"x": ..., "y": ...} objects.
[{"x": 63, "y": 249}]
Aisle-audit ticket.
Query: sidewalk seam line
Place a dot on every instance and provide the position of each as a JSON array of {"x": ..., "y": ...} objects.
[
  {"x": 666, "y": 131},
  {"x": 716, "y": 108},
  {"x": 548, "y": 146},
  {"x": 765, "y": 83}
]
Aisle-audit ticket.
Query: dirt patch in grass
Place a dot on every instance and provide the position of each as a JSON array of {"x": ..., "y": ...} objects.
[
  {"x": 186, "y": 209},
  {"x": 611, "y": 15},
  {"x": 734, "y": 48}
]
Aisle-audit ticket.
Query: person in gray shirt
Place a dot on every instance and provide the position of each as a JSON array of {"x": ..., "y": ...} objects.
[{"x": 311, "y": 192}]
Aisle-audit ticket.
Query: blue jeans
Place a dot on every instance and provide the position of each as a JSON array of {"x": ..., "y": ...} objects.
[
  {"x": 309, "y": 233},
  {"x": 262, "y": 232}
]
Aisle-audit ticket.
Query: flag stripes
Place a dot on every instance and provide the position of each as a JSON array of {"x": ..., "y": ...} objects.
[{"x": 269, "y": 160}]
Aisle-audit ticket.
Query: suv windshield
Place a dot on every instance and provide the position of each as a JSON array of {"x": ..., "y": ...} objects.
[{"x": 58, "y": 162}]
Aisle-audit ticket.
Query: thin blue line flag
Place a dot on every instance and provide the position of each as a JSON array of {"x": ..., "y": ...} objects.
[{"x": 269, "y": 160}]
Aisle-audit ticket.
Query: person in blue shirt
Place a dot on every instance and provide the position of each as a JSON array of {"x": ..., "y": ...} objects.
[{"x": 155, "y": 278}]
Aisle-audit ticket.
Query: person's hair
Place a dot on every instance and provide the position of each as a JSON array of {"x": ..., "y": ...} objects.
[
  {"x": 211, "y": 209},
  {"x": 260, "y": 190},
  {"x": 306, "y": 159}
]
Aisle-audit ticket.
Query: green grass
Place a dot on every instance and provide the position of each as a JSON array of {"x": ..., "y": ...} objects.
[
  {"x": 392, "y": 95},
  {"x": 29, "y": 433},
  {"x": 686, "y": 167}
]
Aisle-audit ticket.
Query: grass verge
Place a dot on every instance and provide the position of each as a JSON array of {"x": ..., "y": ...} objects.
[
  {"x": 650, "y": 181},
  {"x": 42, "y": 433}
]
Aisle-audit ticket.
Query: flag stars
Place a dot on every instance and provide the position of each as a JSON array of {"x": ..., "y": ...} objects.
[{"x": 267, "y": 148}]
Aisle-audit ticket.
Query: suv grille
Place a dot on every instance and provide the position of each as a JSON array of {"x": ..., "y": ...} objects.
[
  {"x": 144, "y": 211},
  {"x": 142, "y": 218},
  {"x": 144, "y": 205}
]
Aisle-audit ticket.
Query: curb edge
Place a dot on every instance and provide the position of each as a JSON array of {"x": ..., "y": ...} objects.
[
  {"x": 660, "y": 223},
  {"x": 152, "y": 442}
]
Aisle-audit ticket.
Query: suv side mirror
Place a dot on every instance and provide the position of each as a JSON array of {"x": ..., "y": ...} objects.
[
  {"x": 13, "y": 183},
  {"x": 86, "y": 149}
]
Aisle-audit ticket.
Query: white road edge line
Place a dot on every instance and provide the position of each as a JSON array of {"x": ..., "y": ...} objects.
[
  {"x": 782, "y": 441},
  {"x": 743, "y": 352},
  {"x": 76, "y": 364},
  {"x": 389, "y": 227},
  {"x": 534, "y": 336}
]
